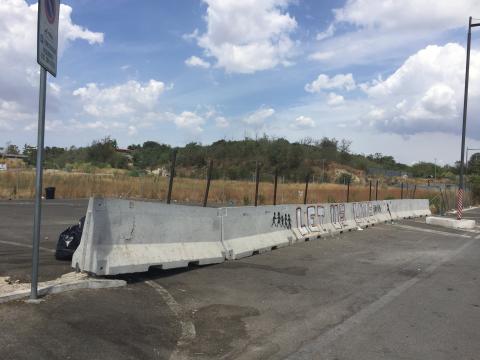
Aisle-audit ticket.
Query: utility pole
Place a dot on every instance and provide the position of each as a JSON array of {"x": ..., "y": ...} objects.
[
  {"x": 435, "y": 170},
  {"x": 464, "y": 125}
]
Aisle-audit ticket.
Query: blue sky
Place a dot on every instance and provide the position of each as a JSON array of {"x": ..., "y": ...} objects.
[{"x": 387, "y": 75}]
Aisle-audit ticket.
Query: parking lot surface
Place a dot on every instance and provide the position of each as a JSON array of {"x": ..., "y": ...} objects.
[{"x": 398, "y": 291}]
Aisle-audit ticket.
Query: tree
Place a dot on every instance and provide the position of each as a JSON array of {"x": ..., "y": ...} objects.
[
  {"x": 345, "y": 150},
  {"x": 473, "y": 164},
  {"x": 13, "y": 149},
  {"x": 104, "y": 152}
]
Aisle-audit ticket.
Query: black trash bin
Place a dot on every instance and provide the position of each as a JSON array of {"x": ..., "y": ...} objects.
[{"x": 50, "y": 193}]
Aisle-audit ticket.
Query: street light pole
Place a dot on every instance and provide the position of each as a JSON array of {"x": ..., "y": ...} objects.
[{"x": 464, "y": 125}]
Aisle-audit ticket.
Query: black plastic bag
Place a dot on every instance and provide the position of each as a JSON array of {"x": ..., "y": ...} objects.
[{"x": 69, "y": 240}]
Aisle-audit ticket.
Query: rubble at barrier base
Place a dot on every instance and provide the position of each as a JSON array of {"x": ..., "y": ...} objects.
[{"x": 123, "y": 236}]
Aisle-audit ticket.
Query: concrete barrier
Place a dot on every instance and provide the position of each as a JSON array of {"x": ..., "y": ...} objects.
[
  {"x": 463, "y": 224},
  {"x": 249, "y": 230},
  {"x": 122, "y": 236}
]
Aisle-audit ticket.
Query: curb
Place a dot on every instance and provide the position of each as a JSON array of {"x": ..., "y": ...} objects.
[{"x": 43, "y": 290}]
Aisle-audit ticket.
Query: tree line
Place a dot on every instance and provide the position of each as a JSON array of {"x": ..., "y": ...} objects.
[{"x": 236, "y": 159}]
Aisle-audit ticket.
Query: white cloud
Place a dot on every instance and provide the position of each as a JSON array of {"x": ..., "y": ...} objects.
[
  {"x": 129, "y": 98},
  {"x": 324, "y": 82},
  {"x": 188, "y": 121},
  {"x": 132, "y": 130},
  {"x": 327, "y": 33},
  {"x": 426, "y": 92},
  {"x": 69, "y": 31},
  {"x": 321, "y": 55},
  {"x": 194, "y": 61},
  {"x": 335, "y": 99},
  {"x": 259, "y": 117},
  {"x": 303, "y": 122},
  {"x": 19, "y": 75},
  {"x": 407, "y": 14},
  {"x": 221, "y": 122},
  {"x": 248, "y": 36},
  {"x": 388, "y": 29}
]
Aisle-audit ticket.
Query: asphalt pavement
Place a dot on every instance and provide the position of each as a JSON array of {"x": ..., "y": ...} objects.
[{"x": 399, "y": 291}]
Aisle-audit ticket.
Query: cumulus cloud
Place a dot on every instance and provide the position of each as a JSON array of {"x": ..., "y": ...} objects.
[
  {"x": 248, "y": 36},
  {"x": 398, "y": 15},
  {"x": 335, "y": 99},
  {"x": 324, "y": 82},
  {"x": 388, "y": 28},
  {"x": 19, "y": 77},
  {"x": 426, "y": 92},
  {"x": 303, "y": 122},
  {"x": 195, "y": 61},
  {"x": 221, "y": 122},
  {"x": 259, "y": 117},
  {"x": 189, "y": 121},
  {"x": 129, "y": 98}
]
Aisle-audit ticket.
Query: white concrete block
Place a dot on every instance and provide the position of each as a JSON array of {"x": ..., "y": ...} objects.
[{"x": 451, "y": 223}]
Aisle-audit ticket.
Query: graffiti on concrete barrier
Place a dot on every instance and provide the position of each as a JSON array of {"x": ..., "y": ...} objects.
[
  {"x": 321, "y": 215},
  {"x": 341, "y": 213},
  {"x": 282, "y": 220},
  {"x": 377, "y": 209},
  {"x": 360, "y": 210},
  {"x": 300, "y": 222},
  {"x": 311, "y": 216},
  {"x": 337, "y": 215}
]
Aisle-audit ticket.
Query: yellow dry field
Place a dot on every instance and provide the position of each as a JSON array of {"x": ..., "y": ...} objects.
[{"x": 20, "y": 185}]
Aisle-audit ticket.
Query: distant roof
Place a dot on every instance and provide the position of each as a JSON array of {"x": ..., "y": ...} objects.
[{"x": 14, "y": 156}]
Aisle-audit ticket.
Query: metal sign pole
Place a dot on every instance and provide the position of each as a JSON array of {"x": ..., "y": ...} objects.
[
  {"x": 47, "y": 45},
  {"x": 38, "y": 182}
]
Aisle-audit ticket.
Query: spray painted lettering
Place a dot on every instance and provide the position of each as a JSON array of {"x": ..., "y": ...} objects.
[{"x": 282, "y": 220}]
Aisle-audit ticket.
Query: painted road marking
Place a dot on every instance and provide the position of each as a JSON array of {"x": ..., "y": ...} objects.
[
  {"x": 437, "y": 232},
  {"x": 313, "y": 349},
  {"x": 25, "y": 246},
  {"x": 187, "y": 326}
]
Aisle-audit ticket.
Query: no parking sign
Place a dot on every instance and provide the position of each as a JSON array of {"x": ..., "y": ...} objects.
[{"x": 47, "y": 34}]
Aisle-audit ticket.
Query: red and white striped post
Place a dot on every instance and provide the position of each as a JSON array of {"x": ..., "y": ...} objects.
[{"x": 459, "y": 204}]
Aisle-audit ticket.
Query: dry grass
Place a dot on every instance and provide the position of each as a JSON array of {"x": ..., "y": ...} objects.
[{"x": 20, "y": 185}]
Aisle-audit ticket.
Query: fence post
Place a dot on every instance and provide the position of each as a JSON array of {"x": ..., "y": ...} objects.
[
  {"x": 444, "y": 206},
  {"x": 209, "y": 177},
  {"x": 348, "y": 190},
  {"x": 257, "y": 180},
  {"x": 414, "y": 189},
  {"x": 172, "y": 175},
  {"x": 370, "y": 192},
  {"x": 376, "y": 191},
  {"x": 307, "y": 179},
  {"x": 275, "y": 187},
  {"x": 401, "y": 192}
]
